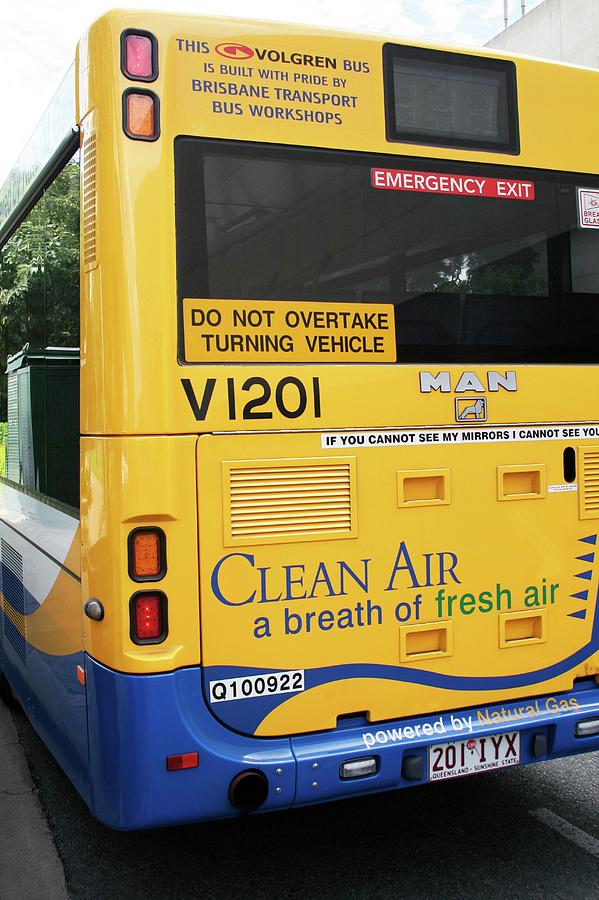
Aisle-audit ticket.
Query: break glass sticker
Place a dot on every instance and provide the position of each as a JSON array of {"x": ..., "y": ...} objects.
[{"x": 588, "y": 207}]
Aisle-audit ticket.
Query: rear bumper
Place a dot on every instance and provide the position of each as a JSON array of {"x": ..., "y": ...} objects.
[{"x": 135, "y": 722}]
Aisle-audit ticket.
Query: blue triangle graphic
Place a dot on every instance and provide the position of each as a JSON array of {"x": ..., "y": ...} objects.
[
  {"x": 586, "y": 575},
  {"x": 581, "y": 595},
  {"x": 580, "y": 614},
  {"x": 591, "y": 539},
  {"x": 588, "y": 557}
]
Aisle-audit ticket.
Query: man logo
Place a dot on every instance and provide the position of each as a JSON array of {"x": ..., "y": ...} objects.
[
  {"x": 468, "y": 382},
  {"x": 234, "y": 51},
  {"x": 468, "y": 409}
]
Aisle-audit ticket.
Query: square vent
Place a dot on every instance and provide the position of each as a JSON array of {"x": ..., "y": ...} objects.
[{"x": 282, "y": 500}]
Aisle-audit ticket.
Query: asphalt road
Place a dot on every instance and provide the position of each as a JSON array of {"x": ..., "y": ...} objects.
[{"x": 530, "y": 832}]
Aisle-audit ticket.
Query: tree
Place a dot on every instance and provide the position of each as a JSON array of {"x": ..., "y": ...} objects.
[
  {"x": 39, "y": 275},
  {"x": 519, "y": 273}
]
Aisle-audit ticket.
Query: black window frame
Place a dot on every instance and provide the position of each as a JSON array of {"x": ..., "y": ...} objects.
[{"x": 447, "y": 58}]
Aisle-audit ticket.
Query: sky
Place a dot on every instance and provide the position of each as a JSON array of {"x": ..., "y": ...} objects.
[{"x": 38, "y": 38}]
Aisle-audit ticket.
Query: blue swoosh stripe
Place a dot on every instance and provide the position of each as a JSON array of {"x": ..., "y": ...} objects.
[{"x": 241, "y": 710}]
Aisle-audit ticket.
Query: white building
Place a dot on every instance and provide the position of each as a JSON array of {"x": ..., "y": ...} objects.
[{"x": 565, "y": 30}]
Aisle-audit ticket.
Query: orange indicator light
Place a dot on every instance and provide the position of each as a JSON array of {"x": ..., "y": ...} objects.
[
  {"x": 147, "y": 556},
  {"x": 140, "y": 115}
]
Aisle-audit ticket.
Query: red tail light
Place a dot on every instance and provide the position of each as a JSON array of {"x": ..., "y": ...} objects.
[
  {"x": 139, "y": 56},
  {"x": 148, "y": 617},
  {"x": 148, "y": 610}
]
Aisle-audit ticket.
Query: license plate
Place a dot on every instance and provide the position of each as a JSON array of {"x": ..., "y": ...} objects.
[{"x": 495, "y": 751}]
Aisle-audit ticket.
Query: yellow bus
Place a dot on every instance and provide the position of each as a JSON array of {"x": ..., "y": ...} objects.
[{"x": 326, "y": 522}]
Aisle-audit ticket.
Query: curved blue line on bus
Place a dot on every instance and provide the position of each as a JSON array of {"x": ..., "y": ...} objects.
[{"x": 247, "y": 714}]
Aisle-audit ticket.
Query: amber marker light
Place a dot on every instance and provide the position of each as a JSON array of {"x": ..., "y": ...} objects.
[
  {"x": 147, "y": 554},
  {"x": 141, "y": 115}
]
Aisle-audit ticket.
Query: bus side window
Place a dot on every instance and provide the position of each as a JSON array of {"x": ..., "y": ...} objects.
[{"x": 39, "y": 344}]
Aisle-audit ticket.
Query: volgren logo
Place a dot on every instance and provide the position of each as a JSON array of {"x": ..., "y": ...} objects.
[{"x": 234, "y": 51}]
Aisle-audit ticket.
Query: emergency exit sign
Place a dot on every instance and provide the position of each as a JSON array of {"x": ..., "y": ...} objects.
[{"x": 462, "y": 185}]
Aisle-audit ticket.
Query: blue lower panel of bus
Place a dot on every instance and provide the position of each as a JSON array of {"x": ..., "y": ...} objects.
[
  {"x": 136, "y": 722},
  {"x": 47, "y": 688}
]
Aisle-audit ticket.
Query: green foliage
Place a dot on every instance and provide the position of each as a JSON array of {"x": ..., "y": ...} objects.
[
  {"x": 39, "y": 275},
  {"x": 520, "y": 273},
  {"x": 517, "y": 274},
  {"x": 3, "y": 440}
]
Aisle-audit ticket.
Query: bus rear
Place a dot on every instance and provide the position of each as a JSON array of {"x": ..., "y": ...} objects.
[{"x": 339, "y": 346}]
